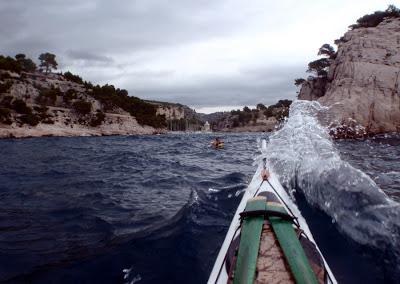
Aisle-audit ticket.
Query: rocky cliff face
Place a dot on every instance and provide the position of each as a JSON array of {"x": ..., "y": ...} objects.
[
  {"x": 362, "y": 87},
  {"x": 179, "y": 117},
  {"x": 313, "y": 89},
  {"x": 171, "y": 112},
  {"x": 34, "y": 104}
]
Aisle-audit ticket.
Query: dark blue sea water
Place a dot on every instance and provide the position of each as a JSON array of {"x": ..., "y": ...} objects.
[{"x": 153, "y": 209}]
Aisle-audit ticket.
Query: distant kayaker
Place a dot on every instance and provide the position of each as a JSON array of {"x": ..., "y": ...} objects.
[{"x": 217, "y": 143}]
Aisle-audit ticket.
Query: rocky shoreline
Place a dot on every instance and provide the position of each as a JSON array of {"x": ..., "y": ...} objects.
[
  {"x": 114, "y": 124},
  {"x": 57, "y": 130}
]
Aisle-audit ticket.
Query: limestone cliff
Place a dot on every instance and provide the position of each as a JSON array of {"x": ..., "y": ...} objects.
[
  {"x": 171, "y": 111},
  {"x": 37, "y": 104},
  {"x": 362, "y": 85},
  {"x": 179, "y": 117}
]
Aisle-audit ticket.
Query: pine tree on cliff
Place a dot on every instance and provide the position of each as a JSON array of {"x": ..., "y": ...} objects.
[
  {"x": 321, "y": 66},
  {"x": 328, "y": 50},
  {"x": 48, "y": 61},
  {"x": 299, "y": 81},
  {"x": 26, "y": 63}
]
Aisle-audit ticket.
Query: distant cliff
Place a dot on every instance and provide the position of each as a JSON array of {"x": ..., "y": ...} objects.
[
  {"x": 360, "y": 82},
  {"x": 179, "y": 117},
  {"x": 37, "y": 103},
  {"x": 261, "y": 119}
]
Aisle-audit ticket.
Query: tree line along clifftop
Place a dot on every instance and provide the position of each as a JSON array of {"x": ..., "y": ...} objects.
[{"x": 81, "y": 96}]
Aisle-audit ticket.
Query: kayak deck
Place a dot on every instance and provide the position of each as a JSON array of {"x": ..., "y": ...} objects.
[
  {"x": 272, "y": 266},
  {"x": 271, "y": 263}
]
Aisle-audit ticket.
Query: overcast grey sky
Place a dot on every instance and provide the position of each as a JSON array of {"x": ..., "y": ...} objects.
[{"x": 208, "y": 54}]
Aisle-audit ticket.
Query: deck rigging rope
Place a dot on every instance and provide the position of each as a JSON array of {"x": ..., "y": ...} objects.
[
  {"x": 296, "y": 222},
  {"x": 279, "y": 196}
]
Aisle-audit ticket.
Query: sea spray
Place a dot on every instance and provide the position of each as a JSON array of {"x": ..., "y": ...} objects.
[{"x": 306, "y": 161}]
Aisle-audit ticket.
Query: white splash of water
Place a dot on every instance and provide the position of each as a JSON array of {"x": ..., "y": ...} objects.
[
  {"x": 305, "y": 159},
  {"x": 127, "y": 273},
  {"x": 238, "y": 192}
]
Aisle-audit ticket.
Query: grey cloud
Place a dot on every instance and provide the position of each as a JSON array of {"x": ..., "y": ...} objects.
[
  {"x": 258, "y": 86},
  {"x": 99, "y": 31},
  {"x": 150, "y": 73},
  {"x": 88, "y": 56},
  {"x": 107, "y": 27},
  {"x": 90, "y": 37}
]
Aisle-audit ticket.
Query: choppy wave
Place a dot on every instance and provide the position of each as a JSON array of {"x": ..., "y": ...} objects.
[
  {"x": 83, "y": 209},
  {"x": 91, "y": 207},
  {"x": 307, "y": 163}
]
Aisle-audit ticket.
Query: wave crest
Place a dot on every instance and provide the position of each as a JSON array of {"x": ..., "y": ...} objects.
[{"x": 306, "y": 161}]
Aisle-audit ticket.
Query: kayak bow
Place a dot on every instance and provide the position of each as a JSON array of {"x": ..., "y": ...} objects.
[{"x": 269, "y": 240}]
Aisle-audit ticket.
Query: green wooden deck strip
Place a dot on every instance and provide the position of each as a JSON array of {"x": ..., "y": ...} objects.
[
  {"x": 249, "y": 243},
  {"x": 294, "y": 253}
]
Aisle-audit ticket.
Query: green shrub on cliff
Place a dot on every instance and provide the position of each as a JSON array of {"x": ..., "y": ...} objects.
[
  {"x": 98, "y": 119},
  {"x": 268, "y": 112},
  {"x": 5, "y": 115},
  {"x": 372, "y": 20},
  {"x": 10, "y": 64},
  {"x": 20, "y": 107},
  {"x": 73, "y": 78},
  {"x": 261, "y": 107},
  {"x": 282, "y": 103},
  {"x": 88, "y": 85},
  {"x": 299, "y": 82},
  {"x": 145, "y": 113},
  {"x": 280, "y": 110},
  {"x": 82, "y": 107},
  {"x": 69, "y": 95},
  {"x": 41, "y": 113},
  {"x": 48, "y": 96},
  {"x": 6, "y": 101},
  {"x": 26, "y": 63},
  {"x": 27, "y": 116},
  {"x": 319, "y": 65},
  {"x": 30, "y": 119},
  {"x": 242, "y": 117},
  {"x": 327, "y": 50}
]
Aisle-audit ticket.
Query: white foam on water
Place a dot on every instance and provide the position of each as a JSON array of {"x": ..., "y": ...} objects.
[
  {"x": 305, "y": 159},
  {"x": 127, "y": 275}
]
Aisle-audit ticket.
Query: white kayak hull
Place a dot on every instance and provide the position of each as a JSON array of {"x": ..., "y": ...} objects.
[{"x": 256, "y": 186}]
